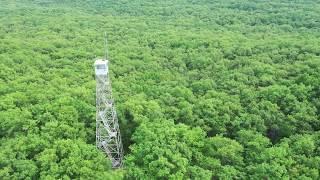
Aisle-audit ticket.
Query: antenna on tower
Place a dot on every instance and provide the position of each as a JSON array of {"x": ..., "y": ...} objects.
[{"x": 105, "y": 46}]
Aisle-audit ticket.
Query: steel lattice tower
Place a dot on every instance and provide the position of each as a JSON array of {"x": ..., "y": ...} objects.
[{"x": 108, "y": 137}]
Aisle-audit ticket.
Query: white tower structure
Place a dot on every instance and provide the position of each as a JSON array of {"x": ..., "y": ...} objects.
[{"x": 108, "y": 137}]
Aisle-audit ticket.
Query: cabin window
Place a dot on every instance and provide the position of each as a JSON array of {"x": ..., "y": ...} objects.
[{"x": 101, "y": 66}]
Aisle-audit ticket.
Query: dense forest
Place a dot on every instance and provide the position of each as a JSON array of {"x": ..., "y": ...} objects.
[{"x": 204, "y": 89}]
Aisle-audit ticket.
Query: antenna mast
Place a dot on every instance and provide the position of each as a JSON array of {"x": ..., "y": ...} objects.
[
  {"x": 108, "y": 137},
  {"x": 105, "y": 46}
]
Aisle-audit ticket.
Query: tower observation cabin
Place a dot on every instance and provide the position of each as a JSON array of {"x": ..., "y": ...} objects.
[{"x": 101, "y": 67}]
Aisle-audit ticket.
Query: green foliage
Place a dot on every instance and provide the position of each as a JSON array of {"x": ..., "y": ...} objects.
[
  {"x": 204, "y": 89},
  {"x": 165, "y": 150}
]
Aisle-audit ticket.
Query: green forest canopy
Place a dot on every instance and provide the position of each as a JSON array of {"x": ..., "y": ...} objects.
[{"x": 204, "y": 89}]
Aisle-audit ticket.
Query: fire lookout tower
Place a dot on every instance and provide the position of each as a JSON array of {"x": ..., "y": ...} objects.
[{"x": 108, "y": 137}]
